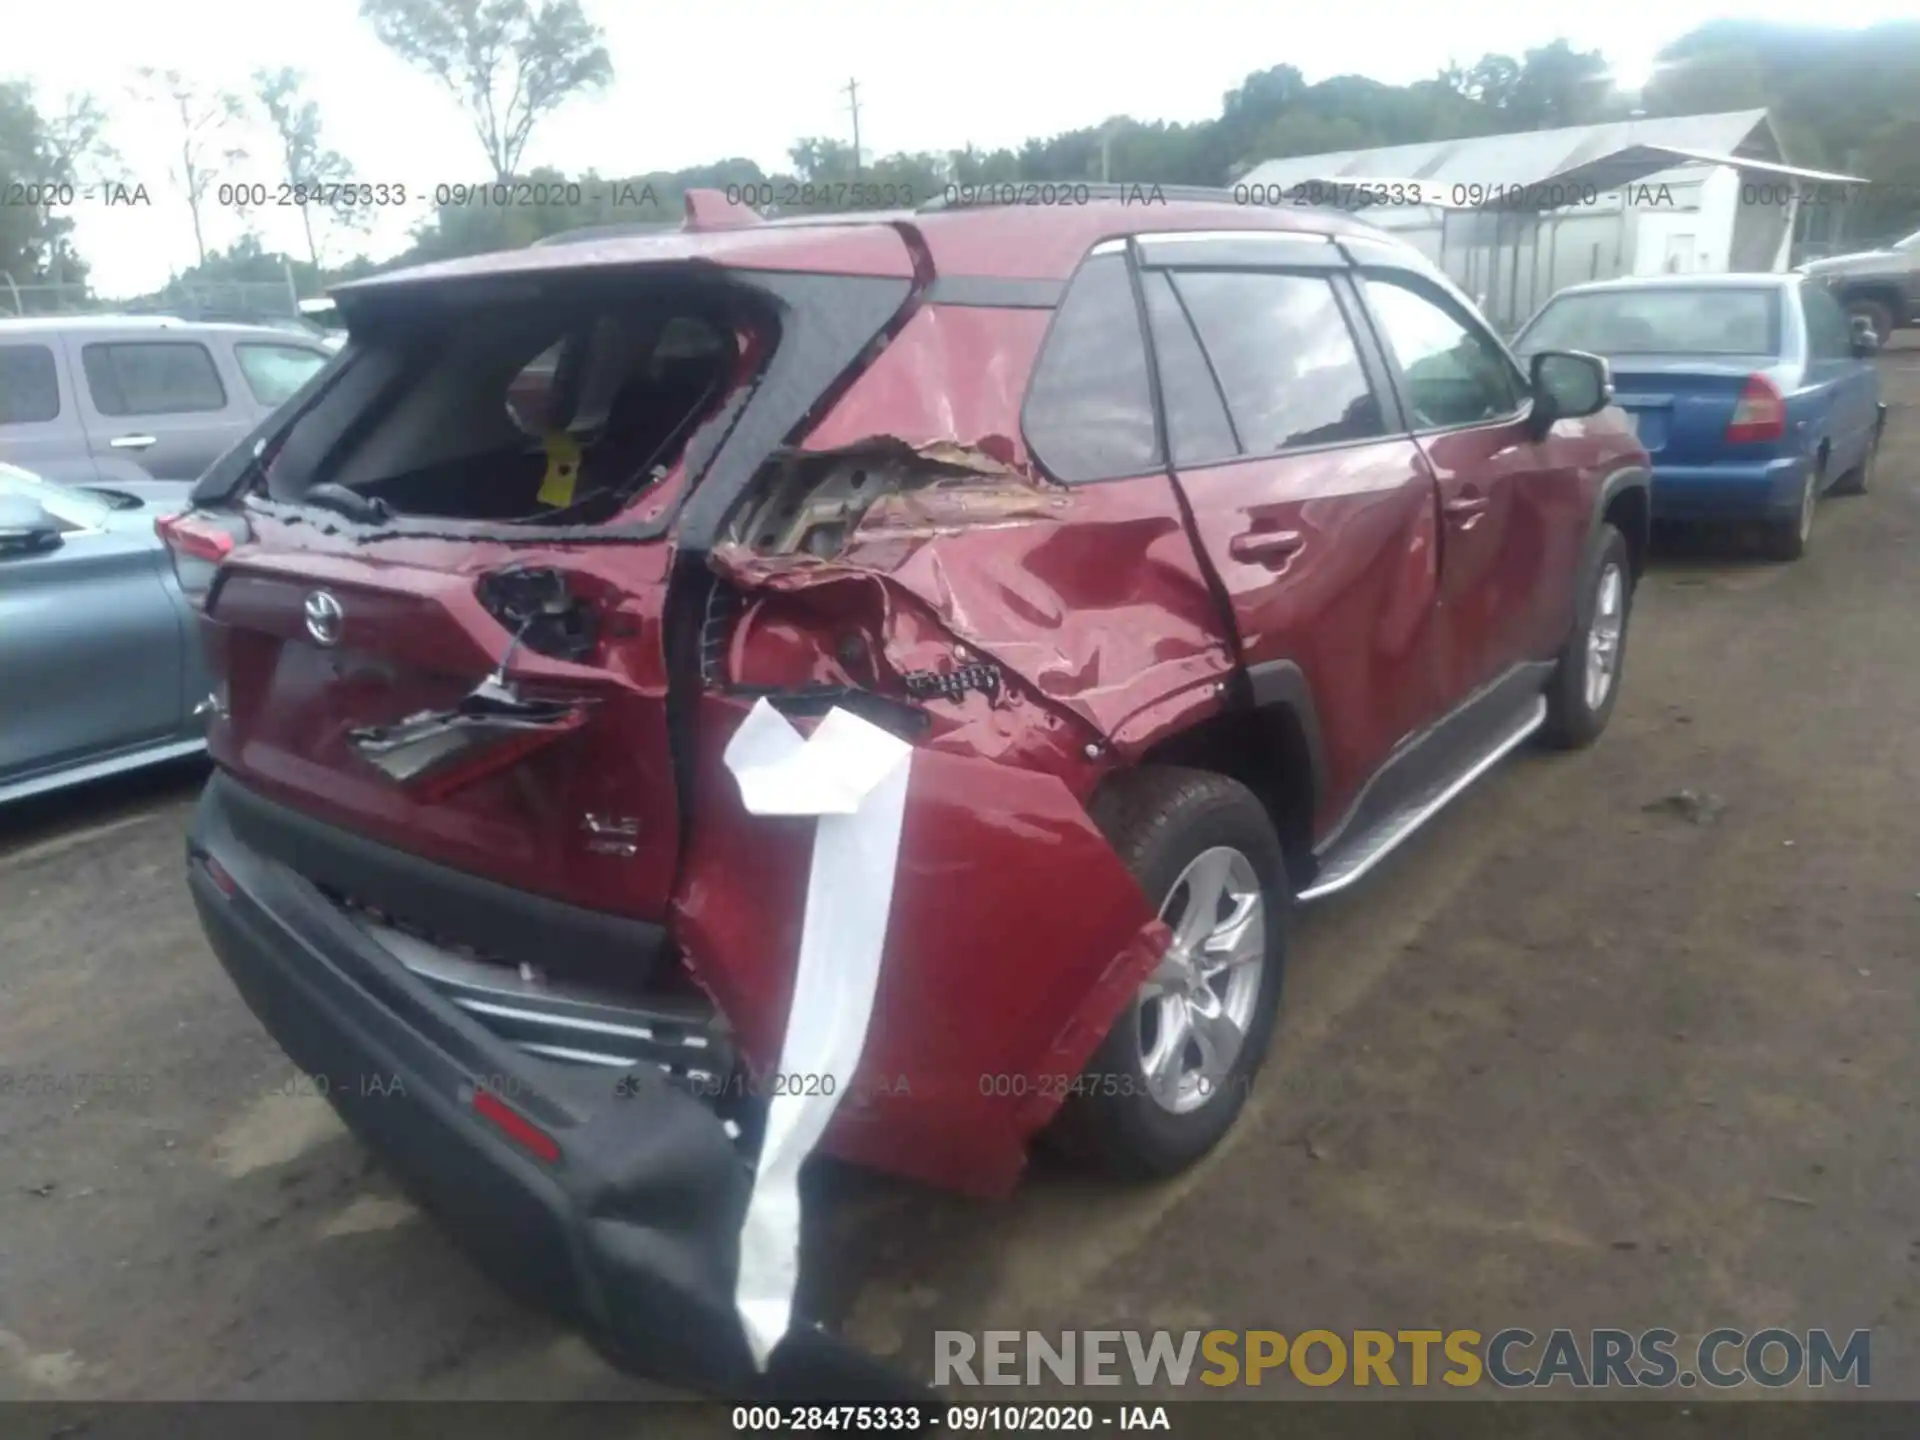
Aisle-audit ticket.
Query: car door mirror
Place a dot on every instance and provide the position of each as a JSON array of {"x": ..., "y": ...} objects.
[
  {"x": 26, "y": 528},
  {"x": 1566, "y": 385},
  {"x": 1866, "y": 340}
]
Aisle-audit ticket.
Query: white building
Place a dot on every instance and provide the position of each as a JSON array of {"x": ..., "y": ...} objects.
[{"x": 1513, "y": 218}]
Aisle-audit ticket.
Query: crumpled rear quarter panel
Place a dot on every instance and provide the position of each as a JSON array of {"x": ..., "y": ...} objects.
[{"x": 1015, "y": 938}]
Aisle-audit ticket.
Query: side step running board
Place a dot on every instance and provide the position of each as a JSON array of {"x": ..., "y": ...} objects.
[{"x": 1356, "y": 857}]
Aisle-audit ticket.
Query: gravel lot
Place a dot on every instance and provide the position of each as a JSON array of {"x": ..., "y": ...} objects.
[{"x": 1583, "y": 1054}]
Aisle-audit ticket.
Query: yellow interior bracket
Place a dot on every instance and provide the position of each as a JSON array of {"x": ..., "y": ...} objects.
[{"x": 563, "y": 468}]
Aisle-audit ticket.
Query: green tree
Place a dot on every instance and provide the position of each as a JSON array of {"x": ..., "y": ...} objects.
[
  {"x": 46, "y": 150},
  {"x": 24, "y": 230},
  {"x": 1559, "y": 86},
  {"x": 508, "y": 62},
  {"x": 305, "y": 159},
  {"x": 201, "y": 121},
  {"x": 1839, "y": 99}
]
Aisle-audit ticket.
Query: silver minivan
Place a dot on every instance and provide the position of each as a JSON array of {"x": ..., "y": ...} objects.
[{"x": 141, "y": 403}]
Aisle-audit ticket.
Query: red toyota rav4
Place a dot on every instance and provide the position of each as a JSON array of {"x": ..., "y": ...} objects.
[{"x": 1198, "y": 553}]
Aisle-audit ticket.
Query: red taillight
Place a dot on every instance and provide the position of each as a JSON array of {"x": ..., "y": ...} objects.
[
  {"x": 1759, "y": 414},
  {"x": 198, "y": 540},
  {"x": 515, "y": 1126},
  {"x": 222, "y": 881},
  {"x": 195, "y": 536}
]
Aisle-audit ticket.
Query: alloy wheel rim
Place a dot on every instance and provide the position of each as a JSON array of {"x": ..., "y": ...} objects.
[
  {"x": 1604, "y": 634},
  {"x": 1192, "y": 1014},
  {"x": 1807, "y": 497}
]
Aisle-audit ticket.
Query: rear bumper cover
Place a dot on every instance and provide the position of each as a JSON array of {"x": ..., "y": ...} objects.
[
  {"x": 1741, "y": 490},
  {"x": 630, "y": 1234}
]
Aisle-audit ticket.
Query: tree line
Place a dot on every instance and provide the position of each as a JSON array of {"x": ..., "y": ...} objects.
[{"x": 1840, "y": 100}]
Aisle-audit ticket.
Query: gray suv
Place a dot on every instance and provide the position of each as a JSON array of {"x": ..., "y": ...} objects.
[
  {"x": 143, "y": 403},
  {"x": 1882, "y": 285}
]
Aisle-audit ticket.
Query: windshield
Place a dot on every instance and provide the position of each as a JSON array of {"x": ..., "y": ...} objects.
[
  {"x": 72, "y": 508},
  {"x": 1709, "y": 320}
]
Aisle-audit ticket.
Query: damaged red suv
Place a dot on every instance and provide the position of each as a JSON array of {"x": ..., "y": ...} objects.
[{"x": 1193, "y": 555}]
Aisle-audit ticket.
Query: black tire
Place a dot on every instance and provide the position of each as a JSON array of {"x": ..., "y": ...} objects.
[
  {"x": 1859, "y": 480},
  {"x": 1878, "y": 315},
  {"x": 1159, "y": 819},
  {"x": 1573, "y": 720},
  {"x": 1788, "y": 536}
]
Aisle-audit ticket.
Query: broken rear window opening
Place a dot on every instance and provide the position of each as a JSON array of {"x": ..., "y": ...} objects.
[{"x": 551, "y": 408}]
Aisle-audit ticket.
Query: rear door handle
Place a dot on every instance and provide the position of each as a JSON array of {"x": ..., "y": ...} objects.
[
  {"x": 1265, "y": 547},
  {"x": 133, "y": 442},
  {"x": 1467, "y": 505}
]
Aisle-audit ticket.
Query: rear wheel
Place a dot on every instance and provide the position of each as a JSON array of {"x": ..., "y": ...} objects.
[
  {"x": 1173, "y": 1072},
  {"x": 1586, "y": 678},
  {"x": 1859, "y": 480},
  {"x": 1788, "y": 535}
]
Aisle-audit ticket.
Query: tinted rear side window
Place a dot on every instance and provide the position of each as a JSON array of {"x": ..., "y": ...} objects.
[
  {"x": 1089, "y": 413},
  {"x": 152, "y": 377},
  {"x": 1670, "y": 320},
  {"x": 1285, "y": 358},
  {"x": 29, "y": 385}
]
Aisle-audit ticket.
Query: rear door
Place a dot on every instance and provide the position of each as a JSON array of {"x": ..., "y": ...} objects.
[
  {"x": 1314, "y": 507},
  {"x": 90, "y": 641},
  {"x": 156, "y": 397},
  {"x": 1507, "y": 501}
]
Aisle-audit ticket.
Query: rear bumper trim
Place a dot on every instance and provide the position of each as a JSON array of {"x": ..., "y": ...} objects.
[
  {"x": 1752, "y": 489},
  {"x": 631, "y": 1233}
]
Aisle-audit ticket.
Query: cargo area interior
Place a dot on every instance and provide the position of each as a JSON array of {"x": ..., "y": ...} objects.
[{"x": 557, "y": 408}]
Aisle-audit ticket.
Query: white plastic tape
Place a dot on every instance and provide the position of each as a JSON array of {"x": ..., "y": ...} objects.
[{"x": 852, "y": 775}]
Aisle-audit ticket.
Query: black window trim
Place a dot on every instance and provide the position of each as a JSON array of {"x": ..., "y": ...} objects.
[
  {"x": 1342, "y": 268},
  {"x": 1206, "y": 359},
  {"x": 1417, "y": 281},
  {"x": 1298, "y": 250},
  {"x": 1393, "y": 414},
  {"x": 200, "y": 344}
]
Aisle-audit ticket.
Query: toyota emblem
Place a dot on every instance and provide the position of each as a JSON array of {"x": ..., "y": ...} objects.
[{"x": 323, "y": 618}]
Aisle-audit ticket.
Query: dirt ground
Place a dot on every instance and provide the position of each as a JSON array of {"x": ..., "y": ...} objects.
[{"x": 1573, "y": 1058}]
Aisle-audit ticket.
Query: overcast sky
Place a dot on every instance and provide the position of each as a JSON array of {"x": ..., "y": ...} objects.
[{"x": 715, "y": 78}]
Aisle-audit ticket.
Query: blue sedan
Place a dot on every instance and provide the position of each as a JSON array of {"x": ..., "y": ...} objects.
[{"x": 1753, "y": 394}]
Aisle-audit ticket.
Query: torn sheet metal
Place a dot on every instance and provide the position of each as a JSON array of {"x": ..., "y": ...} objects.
[
  {"x": 852, "y": 776},
  {"x": 1098, "y": 605},
  {"x": 814, "y": 504},
  {"x": 491, "y": 726}
]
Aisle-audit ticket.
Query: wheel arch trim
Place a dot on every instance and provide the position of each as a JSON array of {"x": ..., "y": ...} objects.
[{"x": 1283, "y": 685}]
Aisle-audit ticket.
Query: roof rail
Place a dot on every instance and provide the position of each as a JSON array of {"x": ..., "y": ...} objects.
[
  {"x": 990, "y": 193},
  {"x": 610, "y": 231}
]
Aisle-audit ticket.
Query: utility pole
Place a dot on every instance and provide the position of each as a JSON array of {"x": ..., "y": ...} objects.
[{"x": 853, "y": 103}]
